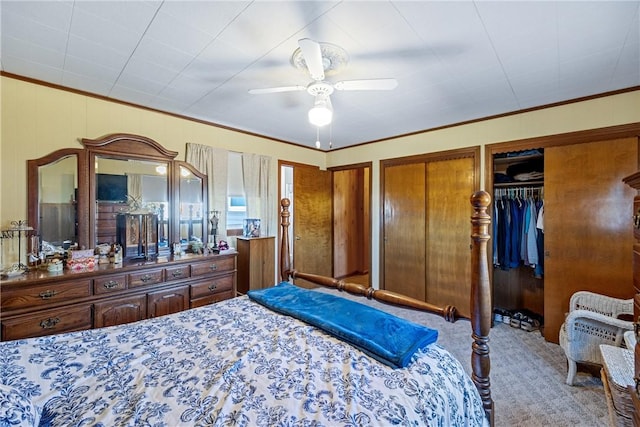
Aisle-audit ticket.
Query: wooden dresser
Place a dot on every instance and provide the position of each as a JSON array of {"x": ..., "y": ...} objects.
[
  {"x": 256, "y": 263},
  {"x": 634, "y": 182},
  {"x": 40, "y": 303}
]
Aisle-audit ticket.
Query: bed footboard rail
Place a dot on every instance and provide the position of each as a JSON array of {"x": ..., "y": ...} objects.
[{"x": 449, "y": 312}]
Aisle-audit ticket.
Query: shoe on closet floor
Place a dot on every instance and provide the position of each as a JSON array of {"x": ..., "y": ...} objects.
[
  {"x": 516, "y": 320},
  {"x": 529, "y": 324}
]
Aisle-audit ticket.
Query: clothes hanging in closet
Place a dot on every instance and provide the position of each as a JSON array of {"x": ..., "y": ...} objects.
[{"x": 517, "y": 229}]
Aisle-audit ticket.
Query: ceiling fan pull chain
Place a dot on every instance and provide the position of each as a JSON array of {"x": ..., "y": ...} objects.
[{"x": 330, "y": 136}]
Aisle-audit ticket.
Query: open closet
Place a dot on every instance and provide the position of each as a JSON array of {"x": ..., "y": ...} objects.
[
  {"x": 585, "y": 221},
  {"x": 518, "y": 235}
]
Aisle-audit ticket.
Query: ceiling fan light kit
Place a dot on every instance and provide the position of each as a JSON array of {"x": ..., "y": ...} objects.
[
  {"x": 319, "y": 60},
  {"x": 321, "y": 113}
]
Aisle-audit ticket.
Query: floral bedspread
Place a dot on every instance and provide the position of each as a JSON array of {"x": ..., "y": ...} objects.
[{"x": 234, "y": 363}]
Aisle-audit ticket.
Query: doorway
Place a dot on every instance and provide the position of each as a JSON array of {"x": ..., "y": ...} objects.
[{"x": 330, "y": 216}]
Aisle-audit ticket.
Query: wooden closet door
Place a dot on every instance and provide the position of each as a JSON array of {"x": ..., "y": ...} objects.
[
  {"x": 404, "y": 231},
  {"x": 586, "y": 224},
  {"x": 312, "y": 221},
  {"x": 450, "y": 183}
]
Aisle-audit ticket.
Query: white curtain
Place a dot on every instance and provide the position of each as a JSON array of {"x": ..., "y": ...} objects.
[
  {"x": 256, "y": 171},
  {"x": 134, "y": 189},
  {"x": 214, "y": 163}
]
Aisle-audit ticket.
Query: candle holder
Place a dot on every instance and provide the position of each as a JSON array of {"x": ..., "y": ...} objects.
[{"x": 214, "y": 218}]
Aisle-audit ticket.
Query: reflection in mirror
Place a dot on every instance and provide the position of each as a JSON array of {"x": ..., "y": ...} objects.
[
  {"x": 191, "y": 210},
  {"x": 57, "y": 184},
  {"x": 130, "y": 185}
]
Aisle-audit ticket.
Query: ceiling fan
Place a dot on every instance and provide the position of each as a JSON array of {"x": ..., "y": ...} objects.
[{"x": 321, "y": 59}]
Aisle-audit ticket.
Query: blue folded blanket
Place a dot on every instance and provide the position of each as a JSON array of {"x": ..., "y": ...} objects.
[{"x": 387, "y": 338}]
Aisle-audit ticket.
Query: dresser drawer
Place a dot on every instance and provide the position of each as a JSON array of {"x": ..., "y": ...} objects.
[
  {"x": 213, "y": 286},
  {"x": 212, "y": 267},
  {"x": 177, "y": 273},
  {"x": 47, "y": 322},
  {"x": 211, "y": 299},
  {"x": 103, "y": 285},
  {"x": 147, "y": 277},
  {"x": 40, "y": 295}
]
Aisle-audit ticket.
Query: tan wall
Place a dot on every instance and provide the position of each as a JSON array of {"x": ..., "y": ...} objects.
[{"x": 37, "y": 120}]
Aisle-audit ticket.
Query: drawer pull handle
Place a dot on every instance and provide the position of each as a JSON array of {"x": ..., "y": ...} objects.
[
  {"x": 111, "y": 284},
  {"x": 177, "y": 273},
  {"x": 212, "y": 287},
  {"x": 49, "y": 323},
  {"x": 213, "y": 267},
  {"x": 146, "y": 278},
  {"x": 47, "y": 294}
]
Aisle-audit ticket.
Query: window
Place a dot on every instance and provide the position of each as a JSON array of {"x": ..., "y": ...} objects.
[
  {"x": 236, "y": 202},
  {"x": 236, "y": 212}
]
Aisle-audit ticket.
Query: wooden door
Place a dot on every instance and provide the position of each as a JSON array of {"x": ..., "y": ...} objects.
[
  {"x": 586, "y": 224},
  {"x": 312, "y": 226},
  {"x": 450, "y": 183},
  {"x": 404, "y": 222},
  {"x": 351, "y": 222}
]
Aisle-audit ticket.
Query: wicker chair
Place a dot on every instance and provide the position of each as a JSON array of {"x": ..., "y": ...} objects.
[{"x": 592, "y": 320}]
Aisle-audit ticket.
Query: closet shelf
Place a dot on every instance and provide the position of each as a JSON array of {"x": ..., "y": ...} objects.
[
  {"x": 516, "y": 159},
  {"x": 519, "y": 184}
]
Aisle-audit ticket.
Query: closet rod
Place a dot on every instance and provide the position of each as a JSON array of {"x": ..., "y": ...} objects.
[{"x": 519, "y": 192}]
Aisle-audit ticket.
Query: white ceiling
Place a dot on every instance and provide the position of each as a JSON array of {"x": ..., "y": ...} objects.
[{"x": 454, "y": 60}]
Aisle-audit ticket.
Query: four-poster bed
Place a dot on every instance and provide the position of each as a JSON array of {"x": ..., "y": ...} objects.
[{"x": 241, "y": 362}]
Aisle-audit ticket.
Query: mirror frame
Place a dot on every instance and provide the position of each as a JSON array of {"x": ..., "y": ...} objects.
[
  {"x": 33, "y": 188},
  {"x": 120, "y": 146},
  {"x": 175, "y": 208}
]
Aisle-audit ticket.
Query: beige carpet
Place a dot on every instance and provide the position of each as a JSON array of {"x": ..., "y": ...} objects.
[{"x": 527, "y": 376}]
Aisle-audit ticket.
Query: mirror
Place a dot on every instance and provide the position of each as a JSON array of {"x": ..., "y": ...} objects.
[
  {"x": 124, "y": 185},
  {"x": 56, "y": 197},
  {"x": 58, "y": 182},
  {"x": 77, "y": 194},
  {"x": 193, "y": 210}
]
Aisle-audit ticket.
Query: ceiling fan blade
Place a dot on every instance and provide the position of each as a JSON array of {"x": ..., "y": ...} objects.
[
  {"x": 312, "y": 54},
  {"x": 277, "y": 89},
  {"x": 371, "y": 84}
]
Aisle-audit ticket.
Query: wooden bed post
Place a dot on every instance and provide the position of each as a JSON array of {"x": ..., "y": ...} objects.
[
  {"x": 285, "y": 252},
  {"x": 481, "y": 300}
]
